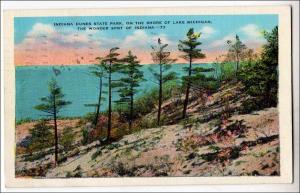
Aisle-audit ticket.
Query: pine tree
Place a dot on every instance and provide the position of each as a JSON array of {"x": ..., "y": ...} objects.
[
  {"x": 191, "y": 53},
  {"x": 51, "y": 105},
  {"x": 162, "y": 58},
  {"x": 129, "y": 82},
  {"x": 98, "y": 71},
  {"x": 110, "y": 64},
  {"x": 261, "y": 77},
  {"x": 236, "y": 52}
]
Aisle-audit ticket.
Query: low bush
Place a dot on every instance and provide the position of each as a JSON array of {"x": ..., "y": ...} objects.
[
  {"x": 85, "y": 137},
  {"x": 96, "y": 154},
  {"x": 41, "y": 137},
  {"x": 67, "y": 138}
]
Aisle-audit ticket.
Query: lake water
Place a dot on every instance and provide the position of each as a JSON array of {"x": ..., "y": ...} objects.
[{"x": 77, "y": 84}]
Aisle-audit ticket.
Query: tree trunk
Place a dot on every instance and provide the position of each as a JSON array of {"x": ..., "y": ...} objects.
[
  {"x": 55, "y": 132},
  {"x": 187, "y": 91},
  {"x": 131, "y": 108},
  {"x": 159, "y": 95},
  {"x": 237, "y": 65},
  {"x": 99, "y": 104},
  {"x": 109, "y": 103}
]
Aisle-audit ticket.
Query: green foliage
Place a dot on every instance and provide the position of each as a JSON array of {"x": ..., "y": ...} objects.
[
  {"x": 227, "y": 71},
  {"x": 122, "y": 170},
  {"x": 145, "y": 103},
  {"x": 69, "y": 174},
  {"x": 261, "y": 77},
  {"x": 96, "y": 154},
  {"x": 21, "y": 121},
  {"x": 77, "y": 172},
  {"x": 236, "y": 52},
  {"x": 239, "y": 162},
  {"x": 162, "y": 58},
  {"x": 89, "y": 117},
  {"x": 36, "y": 156},
  {"x": 85, "y": 137},
  {"x": 53, "y": 103},
  {"x": 147, "y": 123},
  {"x": 110, "y": 64},
  {"x": 41, "y": 136},
  {"x": 67, "y": 138},
  {"x": 128, "y": 85},
  {"x": 98, "y": 71},
  {"x": 189, "y": 47},
  {"x": 214, "y": 148}
]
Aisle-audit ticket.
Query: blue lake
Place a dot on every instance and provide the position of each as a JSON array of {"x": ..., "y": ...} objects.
[{"x": 77, "y": 84}]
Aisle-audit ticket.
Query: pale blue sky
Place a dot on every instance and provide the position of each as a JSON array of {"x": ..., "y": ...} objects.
[{"x": 214, "y": 34}]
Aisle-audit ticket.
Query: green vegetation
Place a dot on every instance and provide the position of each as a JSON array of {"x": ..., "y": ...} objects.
[
  {"x": 67, "y": 138},
  {"x": 162, "y": 58},
  {"x": 261, "y": 77},
  {"x": 41, "y": 136},
  {"x": 256, "y": 78},
  {"x": 191, "y": 53},
  {"x": 128, "y": 85},
  {"x": 98, "y": 71},
  {"x": 26, "y": 120},
  {"x": 96, "y": 154},
  {"x": 236, "y": 52},
  {"x": 85, "y": 137},
  {"x": 51, "y": 105},
  {"x": 110, "y": 64}
]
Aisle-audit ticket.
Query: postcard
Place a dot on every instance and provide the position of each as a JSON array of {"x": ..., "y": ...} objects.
[{"x": 148, "y": 96}]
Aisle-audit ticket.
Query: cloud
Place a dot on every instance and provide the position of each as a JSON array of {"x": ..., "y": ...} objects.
[
  {"x": 252, "y": 31},
  {"x": 207, "y": 32},
  {"x": 250, "y": 35},
  {"x": 222, "y": 42},
  {"x": 47, "y": 34},
  {"x": 72, "y": 39},
  {"x": 140, "y": 39},
  {"x": 40, "y": 29}
]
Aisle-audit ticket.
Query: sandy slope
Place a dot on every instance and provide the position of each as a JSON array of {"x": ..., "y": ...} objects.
[
  {"x": 205, "y": 145},
  {"x": 22, "y": 130},
  {"x": 174, "y": 151}
]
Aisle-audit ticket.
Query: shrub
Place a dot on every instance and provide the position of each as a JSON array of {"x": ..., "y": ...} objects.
[
  {"x": 96, "y": 154},
  {"x": 21, "y": 121},
  {"x": 122, "y": 170},
  {"x": 36, "y": 156},
  {"x": 227, "y": 71},
  {"x": 41, "y": 136},
  {"x": 68, "y": 175},
  {"x": 85, "y": 137},
  {"x": 147, "y": 102},
  {"x": 67, "y": 138}
]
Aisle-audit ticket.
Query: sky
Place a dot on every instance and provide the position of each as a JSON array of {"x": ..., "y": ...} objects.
[{"x": 38, "y": 41}]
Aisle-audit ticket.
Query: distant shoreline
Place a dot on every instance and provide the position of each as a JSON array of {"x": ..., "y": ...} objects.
[{"x": 69, "y": 65}]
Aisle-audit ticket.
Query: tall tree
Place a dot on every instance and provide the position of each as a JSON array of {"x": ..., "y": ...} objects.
[
  {"x": 162, "y": 58},
  {"x": 189, "y": 47},
  {"x": 250, "y": 56},
  {"x": 261, "y": 77},
  {"x": 110, "y": 64},
  {"x": 236, "y": 52},
  {"x": 51, "y": 105},
  {"x": 98, "y": 71},
  {"x": 129, "y": 82}
]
